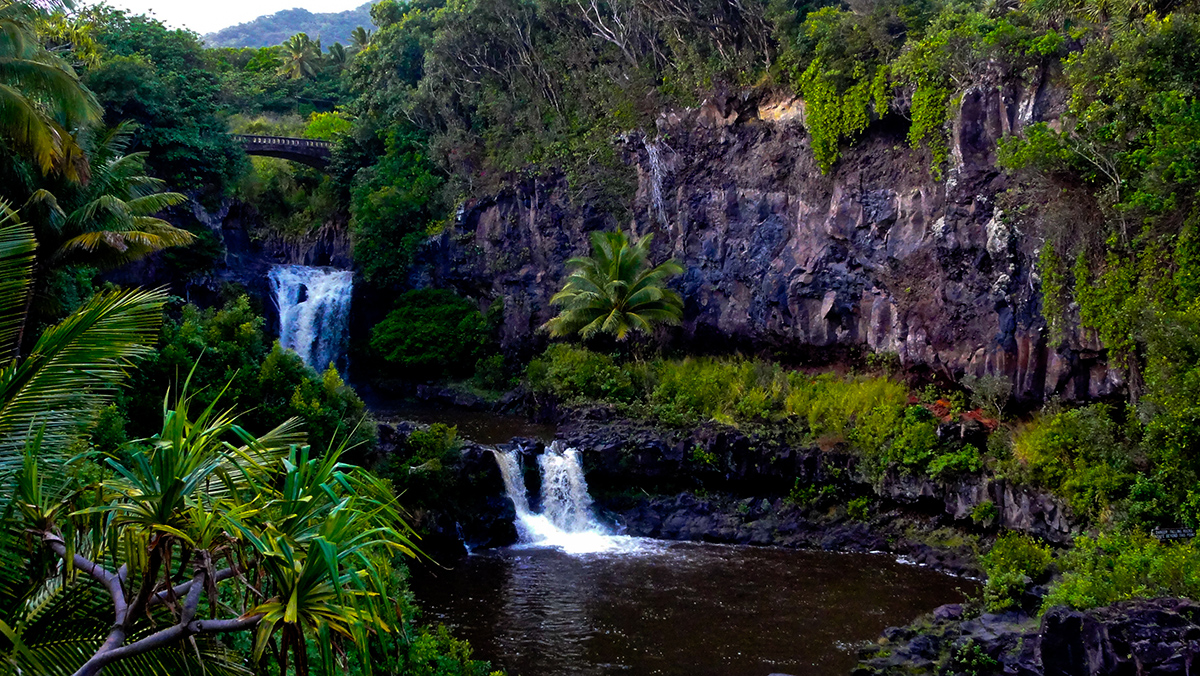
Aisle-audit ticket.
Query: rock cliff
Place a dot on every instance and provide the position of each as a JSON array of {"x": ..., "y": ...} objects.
[
  {"x": 877, "y": 254},
  {"x": 242, "y": 251}
]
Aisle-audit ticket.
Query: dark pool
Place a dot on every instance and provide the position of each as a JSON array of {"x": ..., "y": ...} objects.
[
  {"x": 684, "y": 609},
  {"x": 483, "y": 427}
]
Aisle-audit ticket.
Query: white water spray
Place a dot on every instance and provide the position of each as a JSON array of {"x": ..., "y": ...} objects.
[
  {"x": 314, "y": 312},
  {"x": 566, "y": 520}
]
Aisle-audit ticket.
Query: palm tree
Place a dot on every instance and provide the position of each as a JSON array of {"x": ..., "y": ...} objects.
[
  {"x": 615, "y": 291},
  {"x": 113, "y": 222},
  {"x": 301, "y": 56},
  {"x": 42, "y": 102},
  {"x": 338, "y": 55},
  {"x": 76, "y": 365},
  {"x": 359, "y": 39}
]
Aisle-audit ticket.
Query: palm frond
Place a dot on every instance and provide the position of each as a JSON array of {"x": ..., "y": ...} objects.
[
  {"x": 17, "y": 246},
  {"x": 75, "y": 366},
  {"x": 61, "y": 626},
  {"x": 613, "y": 291}
]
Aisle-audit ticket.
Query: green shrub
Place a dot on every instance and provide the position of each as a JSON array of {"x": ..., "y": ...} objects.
[
  {"x": 965, "y": 460},
  {"x": 988, "y": 392},
  {"x": 701, "y": 456},
  {"x": 1118, "y": 566},
  {"x": 232, "y": 357},
  {"x": 421, "y": 472},
  {"x": 108, "y": 433},
  {"x": 431, "y": 333},
  {"x": 970, "y": 659},
  {"x": 332, "y": 412},
  {"x": 437, "y": 442},
  {"x": 577, "y": 373},
  {"x": 1014, "y": 562},
  {"x": 859, "y": 508},
  {"x": 808, "y": 495},
  {"x": 435, "y": 652},
  {"x": 1078, "y": 454},
  {"x": 985, "y": 512},
  {"x": 491, "y": 373},
  {"x": 917, "y": 442}
]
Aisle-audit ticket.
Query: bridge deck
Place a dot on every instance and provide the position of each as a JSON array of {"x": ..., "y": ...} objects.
[{"x": 304, "y": 150}]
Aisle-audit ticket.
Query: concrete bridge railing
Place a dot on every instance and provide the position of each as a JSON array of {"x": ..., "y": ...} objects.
[{"x": 308, "y": 151}]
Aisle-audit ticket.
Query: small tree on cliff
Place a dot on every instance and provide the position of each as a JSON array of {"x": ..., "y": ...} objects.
[{"x": 615, "y": 291}]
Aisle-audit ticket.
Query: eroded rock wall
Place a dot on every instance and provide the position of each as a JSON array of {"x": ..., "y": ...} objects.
[{"x": 877, "y": 254}]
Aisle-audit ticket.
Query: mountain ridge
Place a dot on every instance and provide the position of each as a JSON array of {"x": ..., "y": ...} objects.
[{"x": 272, "y": 29}]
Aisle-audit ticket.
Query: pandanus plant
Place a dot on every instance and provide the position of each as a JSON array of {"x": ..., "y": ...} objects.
[
  {"x": 615, "y": 290},
  {"x": 204, "y": 529}
]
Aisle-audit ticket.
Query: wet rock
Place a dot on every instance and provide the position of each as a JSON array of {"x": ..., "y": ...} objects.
[
  {"x": 950, "y": 611},
  {"x": 621, "y": 455},
  {"x": 1132, "y": 638}
]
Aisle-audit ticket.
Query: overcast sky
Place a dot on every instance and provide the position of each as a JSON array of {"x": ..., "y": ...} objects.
[{"x": 206, "y": 16}]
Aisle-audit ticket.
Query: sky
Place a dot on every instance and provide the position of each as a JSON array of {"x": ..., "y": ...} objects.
[{"x": 206, "y": 16}]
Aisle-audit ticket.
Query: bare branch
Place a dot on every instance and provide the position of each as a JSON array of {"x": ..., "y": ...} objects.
[
  {"x": 166, "y": 637},
  {"x": 109, "y": 580},
  {"x": 182, "y": 589}
]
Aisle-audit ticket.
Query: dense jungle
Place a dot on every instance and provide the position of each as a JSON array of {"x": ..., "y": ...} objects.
[{"x": 291, "y": 334}]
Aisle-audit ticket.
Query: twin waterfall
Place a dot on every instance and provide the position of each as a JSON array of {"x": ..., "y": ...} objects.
[
  {"x": 314, "y": 313},
  {"x": 566, "y": 520}
]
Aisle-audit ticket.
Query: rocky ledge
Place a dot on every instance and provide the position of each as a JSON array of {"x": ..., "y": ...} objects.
[
  {"x": 780, "y": 523},
  {"x": 622, "y": 455},
  {"x": 719, "y": 484},
  {"x": 1158, "y": 637}
]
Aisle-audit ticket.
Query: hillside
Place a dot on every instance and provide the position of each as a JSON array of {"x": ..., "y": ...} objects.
[{"x": 273, "y": 29}]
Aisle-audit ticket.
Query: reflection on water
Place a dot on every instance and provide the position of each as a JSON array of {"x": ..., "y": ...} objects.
[{"x": 678, "y": 608}]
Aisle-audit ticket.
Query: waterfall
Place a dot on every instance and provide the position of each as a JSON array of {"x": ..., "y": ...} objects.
[
  {"x": 565, "y": 499},
  {"x": 514, "y": 481},
  {"x": 314, "y": 312},
  {"x": 657, "y": 173},
  {"x": 566, "y": 521}
]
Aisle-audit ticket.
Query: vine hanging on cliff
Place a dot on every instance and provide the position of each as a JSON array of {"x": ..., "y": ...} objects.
[{"x": 830, "y": 115}]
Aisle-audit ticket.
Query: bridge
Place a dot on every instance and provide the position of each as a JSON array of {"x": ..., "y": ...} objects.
[{"x": 303, "y": 150}]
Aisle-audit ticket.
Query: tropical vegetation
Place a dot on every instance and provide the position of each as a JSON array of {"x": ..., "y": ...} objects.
[
  {"x": 147, "y": 531},
  {"x": 111, "y": 123}
]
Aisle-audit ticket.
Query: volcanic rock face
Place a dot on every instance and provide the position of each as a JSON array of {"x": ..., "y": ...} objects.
[
  {"x": 878, "y": 254},
  {"x": 1145, "y": 637}
]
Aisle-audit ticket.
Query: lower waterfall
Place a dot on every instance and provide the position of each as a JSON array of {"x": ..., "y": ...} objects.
[
  {"x": 566, "y": 521},
  {"x": 314, "y": 312}
]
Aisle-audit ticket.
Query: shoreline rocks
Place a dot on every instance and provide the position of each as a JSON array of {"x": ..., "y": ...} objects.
[{"x": 1143, "y": 637}]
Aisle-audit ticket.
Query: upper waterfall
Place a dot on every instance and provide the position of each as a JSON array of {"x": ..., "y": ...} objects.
[{"x": 314, "y": 312}]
